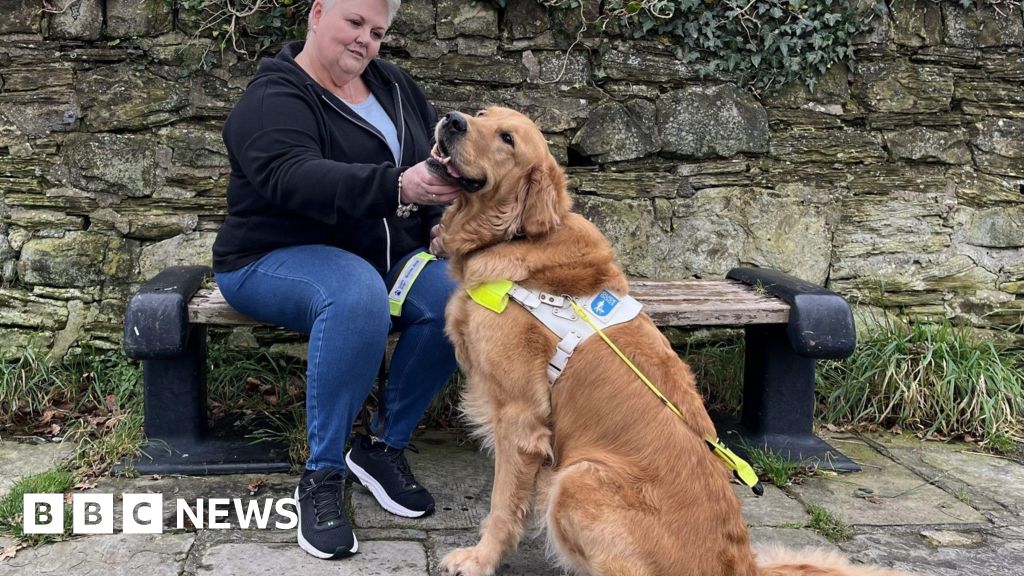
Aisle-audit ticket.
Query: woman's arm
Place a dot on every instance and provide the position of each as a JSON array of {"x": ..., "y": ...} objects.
[{"x": 273, "y": 135}]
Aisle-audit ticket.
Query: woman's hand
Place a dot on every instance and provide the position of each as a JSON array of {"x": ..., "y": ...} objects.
[
  {"x": 422, "y": 186},
  {"x": 436, "y": 246}
]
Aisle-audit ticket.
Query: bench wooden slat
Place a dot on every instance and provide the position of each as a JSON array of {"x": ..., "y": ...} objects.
[{"x": 671, "y": 303}]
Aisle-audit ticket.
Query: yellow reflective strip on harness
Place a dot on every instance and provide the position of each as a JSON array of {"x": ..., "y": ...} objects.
[
  {"x": 739, "y": 467},
  {"x": 492, "y": 295},
  {"x": 408, "y": 275}
]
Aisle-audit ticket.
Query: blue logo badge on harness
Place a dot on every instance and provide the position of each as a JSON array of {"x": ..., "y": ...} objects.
[{"x": 603, "y": 304}]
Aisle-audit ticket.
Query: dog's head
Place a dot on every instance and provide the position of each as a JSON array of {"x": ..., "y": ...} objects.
[{"x": 514, "y": 185}]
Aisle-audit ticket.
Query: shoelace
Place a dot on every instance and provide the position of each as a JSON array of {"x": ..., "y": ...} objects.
[
  {"x": 397, "y": 458},
  {"x": 326, "y": 495}
]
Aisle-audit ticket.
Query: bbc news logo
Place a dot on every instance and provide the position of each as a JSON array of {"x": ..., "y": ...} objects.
[{"x": 143, "y": 513}]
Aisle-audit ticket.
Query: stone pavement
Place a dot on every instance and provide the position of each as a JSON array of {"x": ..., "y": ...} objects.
[{"x": 933, "y": 509}]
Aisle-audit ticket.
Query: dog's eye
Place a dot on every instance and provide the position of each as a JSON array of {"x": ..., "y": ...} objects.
[
  {"x": 480, "y": 113},
  {"x": 507, "y": 139}
]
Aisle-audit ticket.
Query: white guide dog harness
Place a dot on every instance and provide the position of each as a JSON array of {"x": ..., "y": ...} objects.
[{"x": 556, "y": 313}]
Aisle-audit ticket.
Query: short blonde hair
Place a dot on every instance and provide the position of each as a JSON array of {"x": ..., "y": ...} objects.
[{"x": 393, "y": 6}]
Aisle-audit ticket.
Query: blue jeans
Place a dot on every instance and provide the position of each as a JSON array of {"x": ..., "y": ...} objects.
[{"x": 341, "y": 302}]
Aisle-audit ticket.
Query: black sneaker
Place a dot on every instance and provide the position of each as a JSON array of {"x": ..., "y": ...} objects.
[
  {"x": 324, "y": 530},
  {"x": 384, "y": 471}
]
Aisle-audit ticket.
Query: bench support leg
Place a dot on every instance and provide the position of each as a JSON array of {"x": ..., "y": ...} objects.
[
  {"x": 778, "y": 402},
  {"x": 179, "y": 438}
]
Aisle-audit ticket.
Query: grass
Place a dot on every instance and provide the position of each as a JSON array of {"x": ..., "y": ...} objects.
[
  {"x": 718, "y": 368},
  {"x": 939, "y": 379},
  {"x": 773, "y": 467},
  {"x": 828, "y": 525},
  {"x": 55, "y": 481},
  {"x": 90, "y": 399}
]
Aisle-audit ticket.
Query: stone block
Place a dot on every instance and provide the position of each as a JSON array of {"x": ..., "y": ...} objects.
[
  {"x": 559, "y": 67},
  {"x": 806, "y": 144},
  {"x": 640, "y": 62},
  {"x": 831, "y": 92},
  {"x": 182, "y": 250},
  {"x": 900, "y": 86},
  {"x": 788, "y": 229},
  {"x": 19, "y": 308},
  {"x": 928, "y": 145},
  {"x": 471, "y": 18},
  {"x": 375, "y": 558},
  {"x": 16, "y": 342},
  {"x": 991, "y": 97},
  {"x": 40, "y": 112},
  {"x": 475, "y": 46},
  {"x": 703, "y": 121},
  {"x": 20, "y": 16},
  {"x": 613, "y": 134},
  {"x": 414, "y": 18},
  {"x": 80, "y": 20},
  {"x": 917, "y": 23},
  {"x": 449, "y": 68},
  {"x": 108, "y": 554},
  {"x": 999, "y": 144},
  {"x": 525, "y": 19},
  {"x": 132, "y": 18},
  {"x": 995, "y": 554},
  {"x": 19, "y": 460},
  {"x": 885, "y": 494},
  {"x": 618, "y": 186},
  {"x": 995, "y": 227},
  {"x": 109, "y": 163},
  {"x": 984, "y": 27},
  {"x": 76, "y": 260},
  {"x": 127, "y": 96}
]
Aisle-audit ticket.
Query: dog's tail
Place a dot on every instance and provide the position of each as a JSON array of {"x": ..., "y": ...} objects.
[{"x": 779, "y": 561}]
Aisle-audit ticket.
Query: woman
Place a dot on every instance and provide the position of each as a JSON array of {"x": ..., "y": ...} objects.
[{"x": 329, "y": 200}]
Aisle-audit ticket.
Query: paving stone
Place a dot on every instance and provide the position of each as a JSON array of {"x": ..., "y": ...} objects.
[
  {"x": 18, "y": 460},
  {"x": 192, "y": 488},
  {"x": 530, "y": 559},
  {"x": 789, "y": 537},
  {"x": 775, "y": 508},
  {"x": 951, "y": 538},
  {"x": 883, "y": 494},
  {"x": 459, "y": 477},
  {"x": 994, "y": 478},
  {"x": 997, "y": 554},
  {"x": 107, "y": 555},
  {"x": 375, "y": 558}
]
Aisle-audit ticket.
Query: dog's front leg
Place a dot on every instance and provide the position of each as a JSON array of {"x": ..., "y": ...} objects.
[{"x": 522, "y": 443}]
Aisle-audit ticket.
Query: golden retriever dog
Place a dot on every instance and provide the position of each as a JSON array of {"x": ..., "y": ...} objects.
[{"x": 621, "y": 484}]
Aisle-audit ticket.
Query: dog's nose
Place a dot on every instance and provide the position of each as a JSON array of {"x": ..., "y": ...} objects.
[{"x": 455, "y": 122}]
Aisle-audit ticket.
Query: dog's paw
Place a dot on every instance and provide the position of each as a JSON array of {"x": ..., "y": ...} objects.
[{"x": 468, "y": 562}]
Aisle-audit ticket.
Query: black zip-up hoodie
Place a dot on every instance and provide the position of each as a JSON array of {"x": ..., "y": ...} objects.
[{"x": 306, "y": 169}]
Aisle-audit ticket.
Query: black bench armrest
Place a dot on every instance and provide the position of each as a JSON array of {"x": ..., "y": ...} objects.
[
  {"x": 820, "y": 321},
  {"x": 156, "y": 321}
]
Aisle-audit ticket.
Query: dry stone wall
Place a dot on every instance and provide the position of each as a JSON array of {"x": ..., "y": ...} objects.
[{"x": 899, "y": 182}]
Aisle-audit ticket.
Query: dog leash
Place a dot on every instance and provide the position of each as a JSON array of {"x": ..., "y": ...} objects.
[{"x": 739, "y": 467}]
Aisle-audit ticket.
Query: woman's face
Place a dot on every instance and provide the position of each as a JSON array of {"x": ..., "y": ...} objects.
[{"x": 347, "y": 34}]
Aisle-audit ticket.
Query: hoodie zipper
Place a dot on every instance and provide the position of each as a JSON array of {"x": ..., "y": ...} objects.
[{"x": 401, "y": 154}]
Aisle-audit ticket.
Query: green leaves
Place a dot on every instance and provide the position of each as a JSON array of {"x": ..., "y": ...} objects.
[{"x": 761, "y": 44}]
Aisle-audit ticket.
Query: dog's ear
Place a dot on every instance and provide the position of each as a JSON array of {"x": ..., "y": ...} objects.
[{"x": 543, "y": 199}]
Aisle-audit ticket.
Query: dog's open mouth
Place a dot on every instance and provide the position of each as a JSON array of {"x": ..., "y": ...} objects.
[{"x": 441, "y": 163}]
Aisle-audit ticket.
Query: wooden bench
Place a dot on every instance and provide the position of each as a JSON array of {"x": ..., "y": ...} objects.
[{"x": 788, "y": 322}]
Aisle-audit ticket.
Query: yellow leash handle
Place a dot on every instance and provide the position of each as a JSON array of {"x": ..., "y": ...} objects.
[{"x": 738, "y": 466}]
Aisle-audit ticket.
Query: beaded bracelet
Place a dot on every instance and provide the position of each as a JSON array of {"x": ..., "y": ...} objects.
[{"x": 404, "y": 210}]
